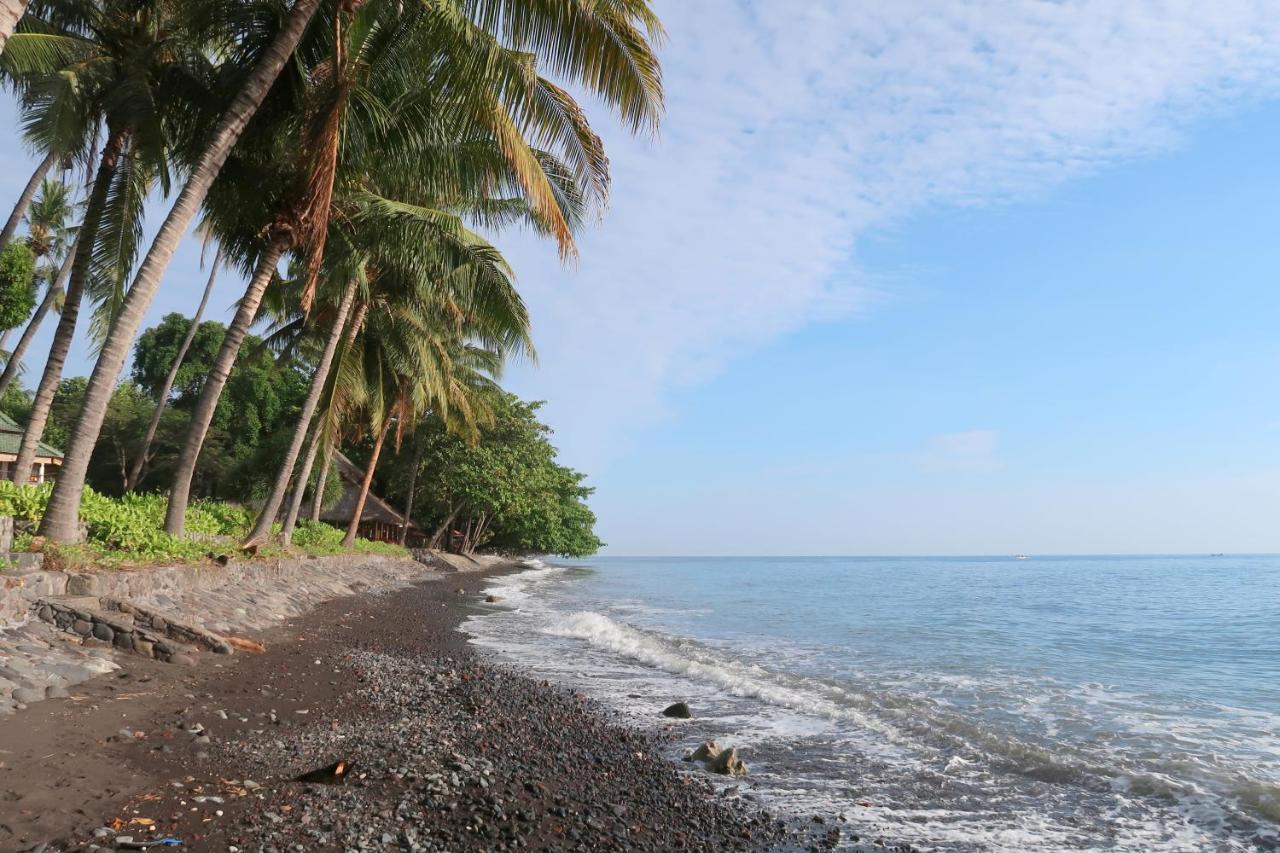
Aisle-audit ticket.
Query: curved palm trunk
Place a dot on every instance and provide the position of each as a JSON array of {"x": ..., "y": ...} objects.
[
  {"x": 413, "y": 484},
  {"x": 28, "y": 193},
  {"x": 317, "y": 498},
  {"x": 10, "y": 12},
  {"x": 14, "y": 364},
  {"x": 268, "y": 515},
  {"x": 295, "y": 500},
  {"x": 62, "y": 514},
  {"x": 180, "y": 492},
  {"x": 354, "y": 526},
  {"x": 66, "y": 330},
  {"x": 134, "y": 476}
]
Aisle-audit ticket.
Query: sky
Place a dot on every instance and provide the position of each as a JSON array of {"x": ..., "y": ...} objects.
[{"x": 920, "y": 278}]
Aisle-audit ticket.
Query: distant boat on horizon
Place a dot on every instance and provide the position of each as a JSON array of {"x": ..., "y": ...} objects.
[{"x": 1021, "y": 557}]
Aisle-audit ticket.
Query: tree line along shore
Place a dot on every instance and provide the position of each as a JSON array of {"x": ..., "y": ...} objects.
[{"x": 356, "y": 162}]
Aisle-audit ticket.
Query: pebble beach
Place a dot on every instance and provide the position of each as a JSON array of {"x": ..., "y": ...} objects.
[{"x": 408, "y": 739}]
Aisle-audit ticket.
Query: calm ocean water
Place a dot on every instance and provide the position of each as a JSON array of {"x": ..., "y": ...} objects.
[{"x": 1056, "y": 703}]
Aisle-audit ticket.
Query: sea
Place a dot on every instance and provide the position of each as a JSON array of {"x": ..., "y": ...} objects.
[{"x": 979, "y": 703}]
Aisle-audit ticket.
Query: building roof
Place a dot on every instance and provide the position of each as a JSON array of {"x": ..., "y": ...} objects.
[
  {"x": 375, "y": 508},
  {"x": 11, "y": 439}
]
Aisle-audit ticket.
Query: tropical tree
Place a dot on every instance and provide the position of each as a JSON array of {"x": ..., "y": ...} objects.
[
  {"x": 17, "y": 284},
  {"x": 53, "y": 291},
  {"x": 498, "y": 92},
  {"x": 118, "y": 68},
  {"x": 506, "y": 491},
  {"x": 61, "y": 516},
  {"x": 24, "y": 198},
  {"x": 472, "y": 60},
  {"x": 374, "y": 93},
  {"x": 142, "y": 456}
]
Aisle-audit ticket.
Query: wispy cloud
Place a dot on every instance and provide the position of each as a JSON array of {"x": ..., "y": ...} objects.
[
  {"x": 972, "y": 451},
  {"x": 794, "y": 128}
]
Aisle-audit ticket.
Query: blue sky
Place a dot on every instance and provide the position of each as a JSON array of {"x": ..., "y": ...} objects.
[{"x": 961, "y": 277}]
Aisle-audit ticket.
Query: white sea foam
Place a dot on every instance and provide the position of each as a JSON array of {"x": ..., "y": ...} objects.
[{"x": 926, "y": 751}]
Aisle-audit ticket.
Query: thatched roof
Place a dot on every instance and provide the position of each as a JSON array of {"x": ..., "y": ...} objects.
[{"x": 375, "y": 508}]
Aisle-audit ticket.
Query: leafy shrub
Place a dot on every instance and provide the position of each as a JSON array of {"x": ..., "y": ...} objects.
[
  {"x": 24, "y": 503},
  {"x": 130, "y": 529},
  {"x": 317, "y": 535},
  {"x": 217, "y": 518},
  {"x": 17, "y": 284}
]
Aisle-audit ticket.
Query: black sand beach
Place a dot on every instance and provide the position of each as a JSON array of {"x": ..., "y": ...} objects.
[{"x": 443, "y": 749}]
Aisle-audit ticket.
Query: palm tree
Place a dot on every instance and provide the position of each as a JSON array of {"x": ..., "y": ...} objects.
[
  {"x": 483, "y": 48},
  {"x": 47, "y": 233},
  {"x": 420, "y": 375},
  {"x": 117, "y": 67},
  {"x": 366, "y": 96},
  {"x": 143, "y": 457},
  {"x": 61, "y": 516},
  {"x": 497, "y": 90},
  {"x": 65, "y": 331},
  {"x": 25, "y": 197}
]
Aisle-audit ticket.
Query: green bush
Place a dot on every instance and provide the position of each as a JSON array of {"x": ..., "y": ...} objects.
[
  {"x": 24, "y": 503},
  {"x": 317, "y": 535},
  {"x": 130, "y": 529},
  {"x": 17, "y": 284}
]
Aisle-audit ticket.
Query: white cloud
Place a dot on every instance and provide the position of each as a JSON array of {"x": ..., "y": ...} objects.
[
  {"x": 793, "y": 128},
  {"x": 972, "y": 451}
]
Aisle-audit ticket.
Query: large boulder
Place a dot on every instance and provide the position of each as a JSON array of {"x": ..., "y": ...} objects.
[
  {"x": 727, "y": 763},
  {"x": 717, "y": 760},
  {"x": 705, "y": 752},
  {"x": 678, "y": 710}
]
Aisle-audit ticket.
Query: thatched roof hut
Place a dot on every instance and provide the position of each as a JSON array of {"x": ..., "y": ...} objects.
[{"x": 379, "y": 520}]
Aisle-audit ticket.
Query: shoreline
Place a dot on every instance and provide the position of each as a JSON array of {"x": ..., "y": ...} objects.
[{"x": 447, "y": 749}]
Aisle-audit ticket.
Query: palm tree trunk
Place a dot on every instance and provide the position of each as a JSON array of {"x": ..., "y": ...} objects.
[
  {"x": 4, "y": 338},
  {"x": 14, "y": 364},
  {"x": 295, "y": 500},
  {"x": 61, "y": 516},
  {"x": 180, "y": 492},
  {"x": 10, "y": 12},
  {"x": 317, "y": 497},
  {"x": 354, "y": 526},
  {"x": 413, "y": 483},
  {"x": 28, "y": 192},
  {"x": 291, "y": 517},
  {"x": 66, "y": 330},
  {"x": 132, "y": 479},
  {"x": 268, "y": 515}
]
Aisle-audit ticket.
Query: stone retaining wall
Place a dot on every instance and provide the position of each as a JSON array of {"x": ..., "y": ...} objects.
[
  {"x": 447, "y": 562},
  {"x": 101, "y": 626},
  {"x": 19, "y": 590}
]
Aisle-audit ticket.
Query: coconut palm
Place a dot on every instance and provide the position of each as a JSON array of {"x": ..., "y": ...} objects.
[
  {"x": 408, "y": 359},
  {"x": 119, "y": 67},
  {"x": 46, "y": 234},
  {"x": 60, "y": 518},
  {"x": 499, "y": 92},
  {"x": 366, "y": 89},
  {"x": 487, "y": 50},
  {"x": 24, "y": 198}
]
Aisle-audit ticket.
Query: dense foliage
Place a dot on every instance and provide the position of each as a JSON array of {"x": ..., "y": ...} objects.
[
  {"x": 505, "y": 492},
  {"x": 128, "y": 529},
  {"x": 374, "y": 150},
  {"x": 17, "y": 284}
]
